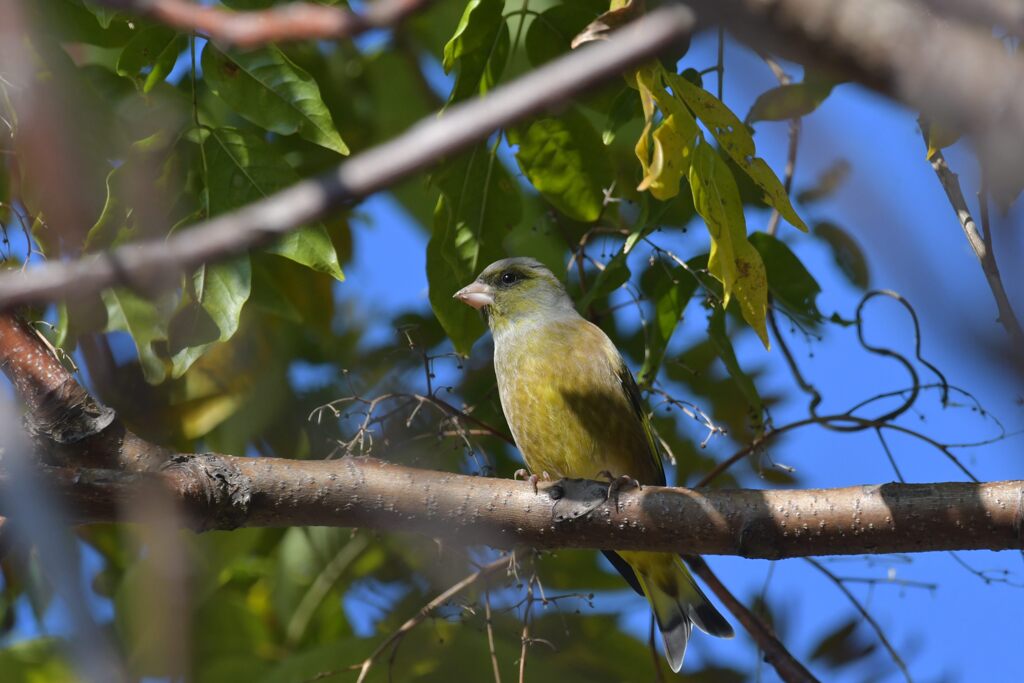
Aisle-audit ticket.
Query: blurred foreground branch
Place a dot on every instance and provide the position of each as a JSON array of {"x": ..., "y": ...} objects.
[
  {"x": 293, "y": 21},
  {"x": 225, "y": 492},
  {"x": 154, "y": 264},
  {"x": 958, "y": 75}
]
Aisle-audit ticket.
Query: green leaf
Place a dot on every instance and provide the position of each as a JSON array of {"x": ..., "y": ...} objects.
[
  {"x": 36, "y": 660},
  {"x": 737, "y": 142},
  {"x": 733, "y": 261},
  {"x": 145, "y": 321},
  {"x": 310, "y": 246},
  {"x": 479, "y": 203},
  {"x": 670, "y": 288},
  {"x": 267, "y": 88},
  {"x": 847, "y": 253},
  {"x": 625, "y": 107},
  {"x": 480, "y": 46},
  {"x": 564, "y": 159},
  {"x": 475, "y": 32},
  {"x": 241, "y": 168},
  {"x": 155, "y": 48},
  {"x": 221, "y": 289},
  {"x": 72, "y": 21},
  {"x": 551, "y": 32},
  {"x": 615, "y": 274},
  {"x": 723, "y": 345},
  {"x": 789, "y": 101},
  {"x": 792, "y": 286}
]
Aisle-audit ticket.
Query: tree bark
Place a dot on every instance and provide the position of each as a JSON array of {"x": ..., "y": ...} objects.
[{"x": 225, "y": 492}]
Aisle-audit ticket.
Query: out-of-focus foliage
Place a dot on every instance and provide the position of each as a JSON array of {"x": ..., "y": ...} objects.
[{"x": 174, "y": 129}]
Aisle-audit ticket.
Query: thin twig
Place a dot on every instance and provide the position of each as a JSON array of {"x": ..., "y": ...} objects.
[
  {"x": 490, "y": 635},
  {"x": 864, "y": 613},
  {"x": 525, "y": 635},
  {"x": 980, "y": 244},
  {"x": 482, "y": 573}
]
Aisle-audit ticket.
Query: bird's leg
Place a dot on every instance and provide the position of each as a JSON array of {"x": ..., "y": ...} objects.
[
  {"x": 616, "y": 484},
  {"x": 532, "y": 478}
]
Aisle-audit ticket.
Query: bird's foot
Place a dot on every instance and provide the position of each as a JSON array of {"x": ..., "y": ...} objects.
[
  {"x": 617, "y": 484},
  {"x": 532, "y": 478}
]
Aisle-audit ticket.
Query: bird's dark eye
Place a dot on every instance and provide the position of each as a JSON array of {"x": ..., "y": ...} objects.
[{"x": 510, "y": 277}]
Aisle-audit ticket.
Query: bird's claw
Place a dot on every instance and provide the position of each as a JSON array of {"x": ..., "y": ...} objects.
[
  {"x": 617, "y": 484},
  {"x": 532, "y": 478}
]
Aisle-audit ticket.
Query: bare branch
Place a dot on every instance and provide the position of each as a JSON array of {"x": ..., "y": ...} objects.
[
  {"x": 153, "y": 264},
  {"x": 294, "y": 21},
  {"x": 76, "y": 428},
  {"x": 481, "y": 573},
  {"x": 224, "y": 492},
  {"x": 980, "y": 246}
]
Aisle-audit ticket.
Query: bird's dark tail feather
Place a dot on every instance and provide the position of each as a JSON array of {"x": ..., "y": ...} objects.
[{"x": 679, "y": 605}]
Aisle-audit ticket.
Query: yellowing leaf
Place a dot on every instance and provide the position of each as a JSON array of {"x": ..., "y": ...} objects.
[
  {"x": 938, "y": 137},
  {"x": 737, "y": 142},
  {"x": 673, "y": 148},
  {"x": 733, "y": 260}
]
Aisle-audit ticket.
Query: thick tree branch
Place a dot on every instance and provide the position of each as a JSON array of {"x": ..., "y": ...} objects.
[
  {"x": 294, "y": 21},
  {"x": 154, "y": 264},
  {"x": 70, "y": 424},
  {"x": 959, "y": 76},
  {"x": 224, "y": 492}
]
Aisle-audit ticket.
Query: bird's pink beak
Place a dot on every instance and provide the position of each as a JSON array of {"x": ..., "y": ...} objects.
[{"x": 476, "y": 294}]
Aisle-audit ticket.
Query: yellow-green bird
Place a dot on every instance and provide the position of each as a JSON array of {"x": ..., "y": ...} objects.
[{"x": 575, "y": 411}]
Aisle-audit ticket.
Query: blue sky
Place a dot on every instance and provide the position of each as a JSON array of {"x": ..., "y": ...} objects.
[{"x": 893, "y": 204}]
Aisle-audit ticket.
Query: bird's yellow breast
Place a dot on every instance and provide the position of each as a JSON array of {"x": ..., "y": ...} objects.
[{"x": 564, "y": 401}]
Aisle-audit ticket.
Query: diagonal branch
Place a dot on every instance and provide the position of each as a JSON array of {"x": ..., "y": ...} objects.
[
  {"x": 982, "y": 247},
  {"x": 155, "y": 264},
  {"x": 775, "y": 653},
  {"x": 293, "y": 21}
]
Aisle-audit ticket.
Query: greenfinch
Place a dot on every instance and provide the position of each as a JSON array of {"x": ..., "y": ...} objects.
[{"x": 575, "y": 412}]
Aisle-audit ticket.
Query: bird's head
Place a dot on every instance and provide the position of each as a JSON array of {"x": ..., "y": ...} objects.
[{"x": 515, "y": 290}]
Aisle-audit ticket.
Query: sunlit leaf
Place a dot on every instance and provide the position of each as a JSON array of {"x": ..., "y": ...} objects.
[
  {"x": 242, "y": 168},
  {"x": 145, "y": 321},
  {"x": 733, "y": 261},
  {"x": 737, "y": 142},
  {"x": 267, "y": 88},
  {"x": 564, "y": 159},
  {"x": 670, "y": 163},
  {"x": 480, "y": 46}
]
